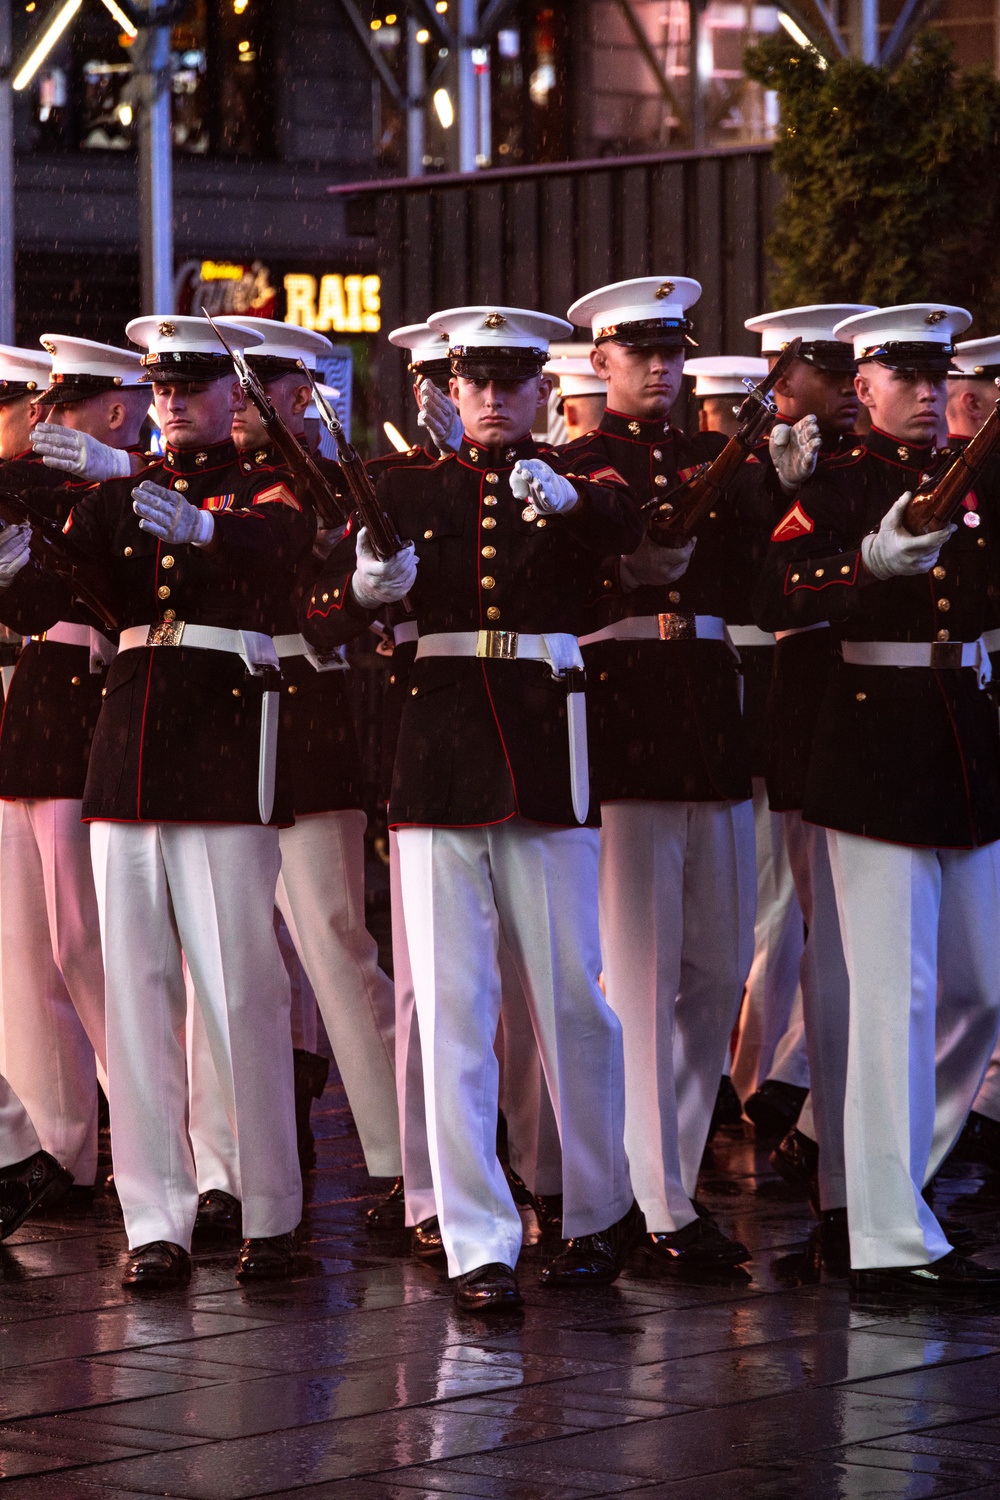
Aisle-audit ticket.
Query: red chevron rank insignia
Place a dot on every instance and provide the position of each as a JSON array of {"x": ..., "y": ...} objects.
[
  {"x": 794, "y": 523},
  {"x": 609, "y": 474},
  {"x": 277, "y": 494}
]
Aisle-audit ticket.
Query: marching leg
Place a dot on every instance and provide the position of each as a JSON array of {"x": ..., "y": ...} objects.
[
  {"x": 451, "y": 923},
  {"x": 222, "y": 880},
  {"x": 418, "y": 1182},
  {"x": 321, "y": 895},
  {"x": 889, "y": 899}
]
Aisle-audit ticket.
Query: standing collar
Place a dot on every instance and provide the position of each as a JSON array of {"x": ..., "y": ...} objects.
[
  {"x": 619, "y": 424},
  {"x": 892, "y": 450},
  {"x": 502, "y": 456},
  {"x": 199, "y": 460}
]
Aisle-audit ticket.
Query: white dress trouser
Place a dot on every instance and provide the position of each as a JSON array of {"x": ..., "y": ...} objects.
[
  {"x": 532, "y": 1129},
  {"x": 18, "y": 1138},
  {"x": 824, "y": 1003},
  {"x": 678, "y": 885},
  {"x": 321, "y": 895},
  {"x": 206, "y": 890},
  {"x": 771, "y": 1038},
  {"x": 921, "y": 930},
  {"x": 538, "y": 886},
  {"x": 51, "y": 976}
]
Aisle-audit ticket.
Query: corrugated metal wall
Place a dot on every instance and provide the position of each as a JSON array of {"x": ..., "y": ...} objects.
[{"x": 542, "y": 236}]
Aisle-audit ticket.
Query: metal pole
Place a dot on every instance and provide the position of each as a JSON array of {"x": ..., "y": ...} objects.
[
  {"x": 468, "y": 25},
  {"x": 414, "y": 100},
  {"x": 696, "y": 96},
  {"x": 7, "y": 287},
  {"x": 869, "y": 31},
  {"x": 156, "y": 206},
  {"x": 484, "y": 145}
]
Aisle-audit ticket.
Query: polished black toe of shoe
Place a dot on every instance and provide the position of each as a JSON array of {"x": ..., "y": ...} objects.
[
  {"x": 774, "y": 1108},
  {"x": 220, "y": 1217},
  {"x": 596, "y": 1259},
  {"x": 391, "y": 1212},
  {"x": 952, "y": 1275},
  {"x": 796, "y": 1161},
  {"x": 157, "y": 1267},
  {"x": 36, "y": 1182},
  {"x": 491, "y": 1288},
  {"x": 549, "y": 1213},
  {"x": 699, "y": 1246},
  {"x": 271, "y": 1259},
  {"x": 425, "y": 1240}
]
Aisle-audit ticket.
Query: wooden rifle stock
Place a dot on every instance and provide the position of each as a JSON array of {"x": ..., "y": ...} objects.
[
  {"x": 311, "y": 483},
  {"x": 935, "y": 505},
  {"x": 55, "y": 554},
  {"x": 675, "y": 518}
]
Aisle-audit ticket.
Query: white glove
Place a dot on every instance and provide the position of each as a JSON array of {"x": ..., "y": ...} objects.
[
  {"x": 326, "y": 539},
  {"x": 169, "y": 516},
  {"x": 439, "y": 414},
  {"x": 650, "y": 564},
  {"x": 794, "y": 451},
  {"x": 15, "y": 549},
  {"x": 891, "y": 552},
  {"x": 377, "y": 582},
  {"x": 78, "y": 453},
  {"x": 548, "y": 492}
]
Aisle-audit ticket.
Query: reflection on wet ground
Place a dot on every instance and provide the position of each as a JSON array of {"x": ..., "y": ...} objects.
[{"x": 359, "y": 1380}]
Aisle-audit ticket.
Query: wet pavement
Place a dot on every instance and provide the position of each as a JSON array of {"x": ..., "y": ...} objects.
[{"x": 359, "y": 1379}]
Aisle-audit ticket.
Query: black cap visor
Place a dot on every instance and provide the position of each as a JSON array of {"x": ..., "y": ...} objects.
[
  {"x": 16, "y": 390},
  {"x": 933, "y": 359},
  {"x": 830, "y": 355},
  {"x": 438, "y": 371},
  {"x": 981, "y": 372},
  {"x": 273, "y": 366},
  {"x": 650, "y": 333},
  {"x": 164, "y": 367},
  {"x": 510, "y": 365},
  {"x": 65, "y": 390}
]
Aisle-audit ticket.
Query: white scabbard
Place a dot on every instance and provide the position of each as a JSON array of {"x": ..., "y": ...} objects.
[
  {"x": 270, "y": 709},
  {"x": 579, "y": 763}
]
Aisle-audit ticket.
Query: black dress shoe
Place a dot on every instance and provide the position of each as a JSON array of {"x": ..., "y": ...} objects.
[
  {"x": 728, "y": 1111},
  {"x": 157, "y": 1267},
  {"x": 425, "y": 1240},
  {"x": 699, "y": 1246},
  {"x": 796, "y": 1161},
  {"x": 979, "y": 1142},
  {"x": 952, "y": 1275},
  {"x": 271, "y": 1259},
  {"x": 27, "y": 1185},
  {"x": 491, "y": 1288},
  {"x": 311, "y": 1072},
  {"x": 774, "y": 1108},
  {"x": 829, "y": 1243},
  {"x": 596, "y": 1259},
  {"x": 219, "y": 1217},
  {"x": 549, "y": 1213},
  {"x": 391, "y": 1212}
]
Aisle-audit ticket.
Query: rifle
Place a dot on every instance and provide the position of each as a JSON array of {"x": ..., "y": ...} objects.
[
  {"x": 937, "y": 500},
  {"x": 310, "y": 482},
  {"x": 55, "y": 554},
  {"x": 675, "y": 518},
  {"x": 382, "y": 534}
]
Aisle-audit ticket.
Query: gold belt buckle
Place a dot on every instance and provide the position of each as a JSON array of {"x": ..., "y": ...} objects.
[
  {"x": 497, "y": 645},
  {"x": 677, "y": 627},
  {"x": 946, "y": 654},
  {"x": 165, "y": 633}
]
